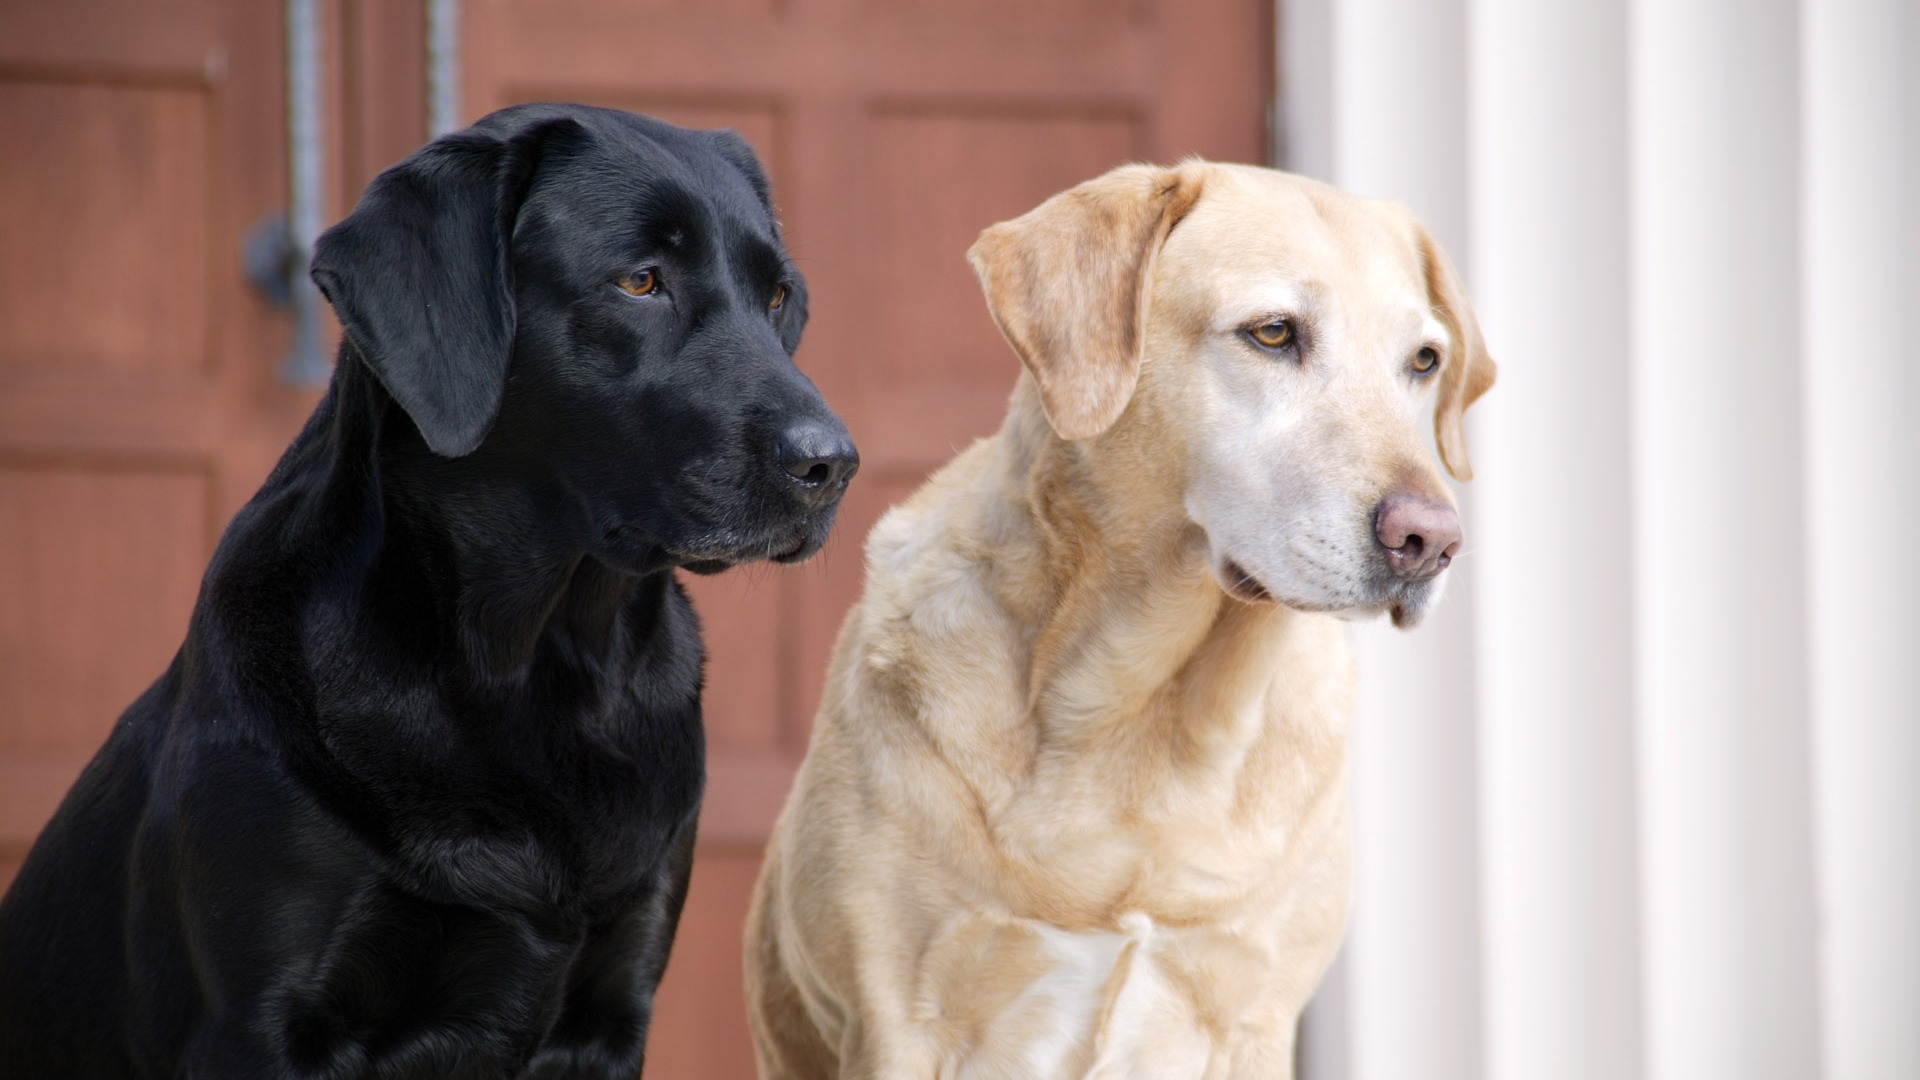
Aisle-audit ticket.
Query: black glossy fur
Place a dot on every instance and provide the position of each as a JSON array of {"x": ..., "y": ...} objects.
[{"x": 417, "y": 796}]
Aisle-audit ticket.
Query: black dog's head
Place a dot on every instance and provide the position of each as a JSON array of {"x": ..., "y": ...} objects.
[{"x": 599, "y": 303}]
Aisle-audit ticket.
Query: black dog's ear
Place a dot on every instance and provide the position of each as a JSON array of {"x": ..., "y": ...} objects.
[{"x": 421, "y": 276}]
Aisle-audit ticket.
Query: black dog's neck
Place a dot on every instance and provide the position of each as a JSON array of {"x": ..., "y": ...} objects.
[{"x": 483, "y": 551}]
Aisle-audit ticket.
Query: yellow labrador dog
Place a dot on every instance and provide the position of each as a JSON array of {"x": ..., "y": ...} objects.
[{"x": 1076, "y": 801}]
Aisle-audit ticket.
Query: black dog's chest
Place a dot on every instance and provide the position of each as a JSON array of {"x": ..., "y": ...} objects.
[
  {"x": 556, "y": 796},
  {"x": 435, "y": 990},
  {"x": 522, "y": 880}
]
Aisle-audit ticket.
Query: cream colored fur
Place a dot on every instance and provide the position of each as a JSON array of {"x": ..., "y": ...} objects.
[{"x": 1071, "y": 809}]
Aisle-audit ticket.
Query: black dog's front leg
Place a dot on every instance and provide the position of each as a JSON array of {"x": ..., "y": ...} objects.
[
  {"x": 603, "y": 1031},
  {"x": 379, "y": 984}
]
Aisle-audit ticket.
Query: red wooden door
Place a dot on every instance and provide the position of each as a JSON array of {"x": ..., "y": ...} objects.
[
  {"x": 137, "y": 400},
  {"x": 140, "y": 402},
  {"x": 894, "y": 131}
]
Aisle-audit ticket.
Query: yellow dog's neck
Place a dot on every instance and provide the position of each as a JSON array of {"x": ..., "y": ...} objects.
[
  {"x": 1166, "y": 733},
  {"x": 1112, "y": 584}
]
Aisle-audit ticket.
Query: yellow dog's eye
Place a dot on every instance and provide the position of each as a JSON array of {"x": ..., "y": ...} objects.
[
  {"x": 1425, "y": 361},
  {"x": 1274, "y": 335},
  {"x": 779, "y": 298},
  {"x": 640, "y": 282}
]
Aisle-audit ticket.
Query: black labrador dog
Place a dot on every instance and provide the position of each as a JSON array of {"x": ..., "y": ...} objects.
[{"x": 417, "y": 796}]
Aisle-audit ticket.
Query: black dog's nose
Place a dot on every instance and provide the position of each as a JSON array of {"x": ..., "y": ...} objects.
[{"x": 820, "y": 457}]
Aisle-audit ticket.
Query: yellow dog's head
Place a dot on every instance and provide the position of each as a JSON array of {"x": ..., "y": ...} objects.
[{"x": 1273, "y": 345}]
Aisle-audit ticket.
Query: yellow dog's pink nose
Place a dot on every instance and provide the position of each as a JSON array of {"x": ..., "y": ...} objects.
[{"x": 1420, "y": 535}]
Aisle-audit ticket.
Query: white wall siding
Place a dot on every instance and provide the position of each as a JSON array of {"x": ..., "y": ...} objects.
[
  {"x": 1647, "y": 803},
  {"x": 1725, "y": 827},
  {"x": 1548, "y": 134},
  {"x": 1401, "y": 128},
  {"x": 1860, "y": 228}
]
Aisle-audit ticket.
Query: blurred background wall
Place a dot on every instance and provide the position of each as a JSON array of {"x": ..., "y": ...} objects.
[{"x": 1642, "y": 800}]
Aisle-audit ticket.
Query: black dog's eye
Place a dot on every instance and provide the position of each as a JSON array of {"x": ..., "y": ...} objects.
[
  {"x": 1277, "y": 334},
  {"x": 639, "y": 283},
  {"x": 1425, "y": 361},
  {"x": 779, "y": 298}
]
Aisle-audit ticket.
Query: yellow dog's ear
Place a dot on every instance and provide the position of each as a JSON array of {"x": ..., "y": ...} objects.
[
  {"x": 1067, "y": 283},
  {"x": 1470, "y": 371}
]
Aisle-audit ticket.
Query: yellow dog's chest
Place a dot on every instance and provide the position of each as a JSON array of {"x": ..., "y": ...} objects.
[{"x": 1019, "y": 998}]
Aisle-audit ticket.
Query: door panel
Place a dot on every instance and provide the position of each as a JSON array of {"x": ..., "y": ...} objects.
[
  {"x": 740, "y": 613},
  {"x": 98, "y": 571},
  {"x": 172, "y": 41},
  {"x": 139, "y": 398},
  {"x": 894, "y": 131},
  {"x": 938, "y": 373},
  {"x": 103, "y": 236},
  {"x": 102, "y": 567},
  {"x": 113, "y": 363},
  {"x": 699, "y": 1025}
]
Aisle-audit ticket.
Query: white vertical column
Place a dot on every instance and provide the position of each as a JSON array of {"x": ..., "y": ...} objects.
[
  {"x": 1303, "y": 51},
  {"x": 1398, "y": 102},
  {"x": 1303, "y": 48},
  {"x": 1861, "y": 234},
  {"x": 1552, "y": 571},
  {"x": 443, "y": 66},
  {"x": 1399, "y": 105},
  {"x": 1719, "y": 611}
]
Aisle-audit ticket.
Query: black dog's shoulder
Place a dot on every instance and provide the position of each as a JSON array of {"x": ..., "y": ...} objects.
[
  {"x": 351, "y": 850},
  {"x": 328, "y": 653}
]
